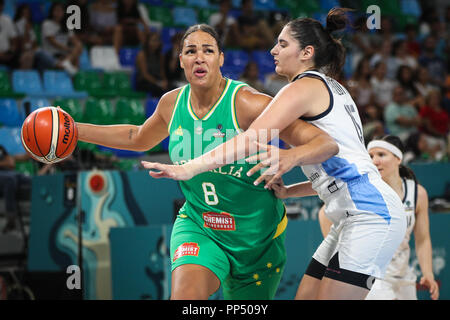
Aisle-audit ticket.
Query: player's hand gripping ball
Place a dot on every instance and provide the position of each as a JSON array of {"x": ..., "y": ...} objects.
[{"x": 49, "y": 134}]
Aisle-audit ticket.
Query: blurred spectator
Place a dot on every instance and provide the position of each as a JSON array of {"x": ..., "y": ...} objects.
[
  {"x": 435, "y": 120},
  {"x": 250, "y": 32},
  {"x": 429, "y": 15},
  {"x": 9, "y": 48},
  {"x": 401, "y": 55},
  {"x": 435, "y": 65},
  {"x": 361, "y": 44},
  {"x": 80, "y": 159},
  {"x": 385, "y": 33},
  {"x": 438, "y": 30},
  {"x": 412, "y": 45},
  {"x": 373, "y": 123},
  {"x": 86, "y": 34},
  {"x": 131, "y": 29},
  {"x": 447, "y": 23},
  {"x": 103, "y": 19},
  {"x": 382, "y": 87},
  {"x": 384, "y": 53},
  {"x": 274, "y": 83},
  {"x": 422, "y": 82},
  {"x": 10, "y": 180},
  {"x": 251, "y": 76},
  {"x": 359, "y": 85},
  {"x": 174, "y": 73},
  {"x": 222, "y": 21},
  {"x": 60, "y": 43},
  {"x": 418, "y": 149},
  {"x": 406, "y": 81},
  {"x": 401, "y": 119},
  {"x": 151, "y": 76},
  {"x": 279, "y": 20},
  {"x": 69, "y": 164},
  {"x": 27, "y": 41},
  {"x": 446, "y": 96}
]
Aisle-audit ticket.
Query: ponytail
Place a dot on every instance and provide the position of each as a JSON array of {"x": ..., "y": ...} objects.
[
  {"x": 337, "y": 19},
  {"x": 407, "y": 173}
]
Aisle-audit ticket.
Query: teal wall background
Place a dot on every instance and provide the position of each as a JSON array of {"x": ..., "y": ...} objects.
[{"x": 127, "y": 226}]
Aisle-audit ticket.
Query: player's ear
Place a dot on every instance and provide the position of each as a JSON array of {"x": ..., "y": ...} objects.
[
  {"x": 181, "y": 61},
  {"x": 221, "y": 58},
  {"x": 307, "y": 53}
]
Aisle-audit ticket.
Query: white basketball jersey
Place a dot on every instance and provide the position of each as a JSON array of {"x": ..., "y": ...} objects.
[
  {"x": 342, "y": 122},
  {"x": 399, "y": 266}
]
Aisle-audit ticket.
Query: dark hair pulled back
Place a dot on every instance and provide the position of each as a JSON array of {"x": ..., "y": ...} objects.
[{"x": 329, "y": 52}]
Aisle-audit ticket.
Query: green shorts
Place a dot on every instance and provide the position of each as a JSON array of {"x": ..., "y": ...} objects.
[{"x": 253, "y": 274}]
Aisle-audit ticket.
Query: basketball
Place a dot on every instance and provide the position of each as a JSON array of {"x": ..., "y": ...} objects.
[{"x": 49, "y": 134}]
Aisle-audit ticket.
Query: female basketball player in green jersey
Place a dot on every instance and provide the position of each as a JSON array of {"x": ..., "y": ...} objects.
[{"x": 229, "y": 232}]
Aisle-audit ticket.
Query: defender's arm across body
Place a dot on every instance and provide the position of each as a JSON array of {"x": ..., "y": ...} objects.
[{"x": 259, "y": 115}]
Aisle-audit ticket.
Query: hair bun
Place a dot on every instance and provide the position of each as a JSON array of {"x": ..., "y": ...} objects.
[{"x": 337, "y": 19}]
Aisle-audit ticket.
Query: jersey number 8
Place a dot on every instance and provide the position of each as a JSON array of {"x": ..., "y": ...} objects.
[{"x": 210, "y": 193}]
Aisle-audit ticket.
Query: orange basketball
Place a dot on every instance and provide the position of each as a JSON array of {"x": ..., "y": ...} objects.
[{"x": 49, "y": 134}]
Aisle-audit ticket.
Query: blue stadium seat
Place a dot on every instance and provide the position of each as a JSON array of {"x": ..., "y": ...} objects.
[
  {"x": 265, "y": 5},
  {"x": 28, "y": 82},
  {"x": 166, "y": 37},
  {"x": 198, "y": 3},
  {"x": 150, "y": 106},
  {"x": 10, "y": 8},
  {"x": 11, "y": 140},
  {"x": 127, "y": 56},
  {"x": 38, "y": 13},
  {"x": 10, "y": 114},
  {"x": 321, "y": 17},
  {"x": 232, "y": 72},
  {"x": 153, "y": 2},
  {"x": 236, "y": 3},
  {"x": 264, "y": 60},
  {"x": 165, "y": 144},
  {"x": 34, "y": 103},
  {"x": 59, "y": 84},
  {"x": 183, "y": 16},
  {"x": 411, "y": 7},
  {"x": 85, "y": 62},
  {"x": 236, "y": 58},
  {"x": 327, "y": 5}
]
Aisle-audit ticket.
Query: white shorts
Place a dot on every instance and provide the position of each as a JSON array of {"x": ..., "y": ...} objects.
[
  {"x": 366, "y": 240},
  {"x": 386, "y": 290}
]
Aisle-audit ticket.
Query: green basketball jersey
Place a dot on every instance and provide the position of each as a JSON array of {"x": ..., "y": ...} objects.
[{"x": 224, "y": 201}]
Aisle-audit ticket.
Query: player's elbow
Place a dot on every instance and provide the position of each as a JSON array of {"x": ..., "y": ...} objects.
[
  {"x": 334, "y": 148},
  {"x": 137, "y": 140},
  {"x": 330, "y": 145}
]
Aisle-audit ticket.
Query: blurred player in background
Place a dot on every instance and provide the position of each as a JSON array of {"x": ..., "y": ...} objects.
[
  {"x": 229, "y": 231},
  {"x": 400, "y": 280}
]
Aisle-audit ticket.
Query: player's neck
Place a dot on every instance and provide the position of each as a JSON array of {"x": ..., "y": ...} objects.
[
  {"x": 396, "y": 183},
  {"x": 303, "y": 68},
  {"x": 204, "y": 98}
]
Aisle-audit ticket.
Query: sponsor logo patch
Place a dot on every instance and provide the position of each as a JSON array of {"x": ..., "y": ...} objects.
[
  {"x": 186, "y": 249},
  {"x": 179, "y": 131},
  {"x": 219, "y": 221}
]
